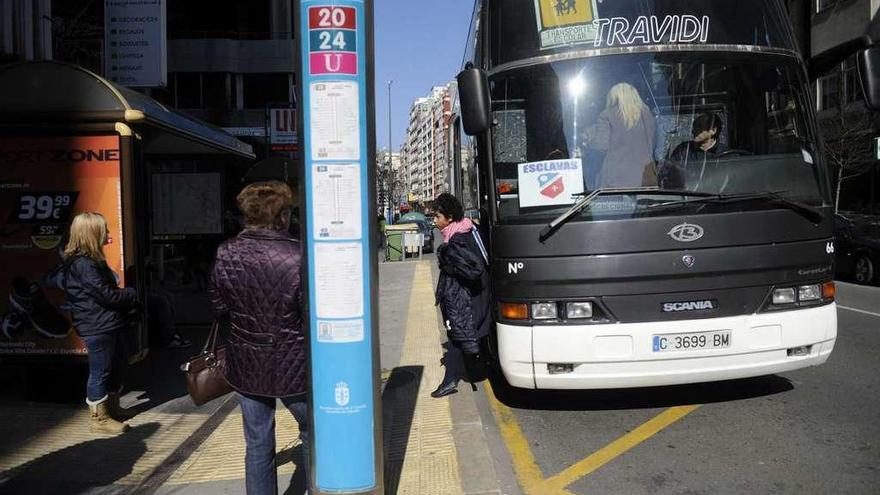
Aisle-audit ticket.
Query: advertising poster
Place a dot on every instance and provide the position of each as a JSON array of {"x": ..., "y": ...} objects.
[{"x": 45, "y": 182}]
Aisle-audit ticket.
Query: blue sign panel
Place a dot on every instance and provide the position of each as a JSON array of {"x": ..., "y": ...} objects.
[
  {"x": 333, "y": 40},
  {"x": 334, "y": 107}
]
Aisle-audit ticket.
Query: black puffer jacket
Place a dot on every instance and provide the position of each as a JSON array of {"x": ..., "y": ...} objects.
[
  {"x": 96, "y": 304},
  {"x": 463, "y": 292},
  {"x": 256, "y": 283}
]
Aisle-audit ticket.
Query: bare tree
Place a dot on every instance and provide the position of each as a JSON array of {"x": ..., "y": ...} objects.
[
  {"x": 390, "y": 182},
  {"x": 848, "y": 145}
]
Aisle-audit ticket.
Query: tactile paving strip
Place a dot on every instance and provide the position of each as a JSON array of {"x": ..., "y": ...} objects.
[
  {"x": 221, "y": 457},
  {"x": 43, "y": 438},
  {"x": 430, "y": 465}
]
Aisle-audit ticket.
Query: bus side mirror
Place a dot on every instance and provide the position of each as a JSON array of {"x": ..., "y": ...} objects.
[
  {"x": 473, "y": 92},
  {"x": 831, "y": 58},
  {"x": 869, "y": 73}
]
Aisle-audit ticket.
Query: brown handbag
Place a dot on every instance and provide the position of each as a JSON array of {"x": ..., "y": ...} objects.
[{"x": 205, "y": 380}]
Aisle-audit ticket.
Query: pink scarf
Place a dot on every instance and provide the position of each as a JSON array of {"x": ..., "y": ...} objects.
[{"x": 463, "y": 225}]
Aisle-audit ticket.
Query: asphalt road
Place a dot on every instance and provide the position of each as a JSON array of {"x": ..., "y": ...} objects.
[{"x": 814, "y": 430}]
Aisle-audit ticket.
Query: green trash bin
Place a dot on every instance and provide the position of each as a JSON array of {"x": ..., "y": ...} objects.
[
  {"x": 394, "y": 249},
  {"x": 393, "y": 245}
]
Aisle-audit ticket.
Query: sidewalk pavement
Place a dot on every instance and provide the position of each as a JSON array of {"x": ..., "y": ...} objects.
[{"x": 431, "y": 446}]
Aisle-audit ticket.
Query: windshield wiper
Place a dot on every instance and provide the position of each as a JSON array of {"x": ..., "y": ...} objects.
[
  {"x": 775, "y": 197},
  {"x": 588, "y": 198}
]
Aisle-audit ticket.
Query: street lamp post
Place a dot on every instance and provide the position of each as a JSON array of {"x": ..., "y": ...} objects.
[{"x": 390, "y": 174}]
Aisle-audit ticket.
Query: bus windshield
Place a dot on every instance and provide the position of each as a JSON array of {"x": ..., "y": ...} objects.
[
  {"x": 709, "y": 122},
  {"x": 521, "y": 29}
]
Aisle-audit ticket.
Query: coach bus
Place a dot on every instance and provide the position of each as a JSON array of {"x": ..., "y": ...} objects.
[{"x": 653, "y": 188}]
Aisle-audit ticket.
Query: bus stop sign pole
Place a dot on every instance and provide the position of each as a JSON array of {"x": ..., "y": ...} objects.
[{"x": 335, "y": 72}]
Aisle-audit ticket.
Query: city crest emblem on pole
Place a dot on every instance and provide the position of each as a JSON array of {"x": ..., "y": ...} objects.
[{"x": 342, "y": 394}]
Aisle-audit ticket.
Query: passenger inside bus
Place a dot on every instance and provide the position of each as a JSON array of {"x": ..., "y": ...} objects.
[{"x": 624, "y": 131}]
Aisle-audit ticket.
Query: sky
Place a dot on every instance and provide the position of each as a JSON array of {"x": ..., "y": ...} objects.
[{"x": 419, "y": 44}]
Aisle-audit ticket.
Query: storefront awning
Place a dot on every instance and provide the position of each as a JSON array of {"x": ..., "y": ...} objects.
[{"x": 60, "y": 93}]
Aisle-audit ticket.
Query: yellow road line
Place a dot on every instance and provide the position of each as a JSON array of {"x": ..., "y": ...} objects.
[
  {"x": 619, "y": 446},
  {"x": 529, "y": 474}
]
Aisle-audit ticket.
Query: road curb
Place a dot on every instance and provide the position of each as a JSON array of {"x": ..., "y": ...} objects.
[
  {"x": 475, "y": 465},
  {"x": 154, "y": 481}
]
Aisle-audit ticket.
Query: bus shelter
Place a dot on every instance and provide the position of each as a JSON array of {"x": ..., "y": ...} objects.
[{"x": 72, "y": 141}]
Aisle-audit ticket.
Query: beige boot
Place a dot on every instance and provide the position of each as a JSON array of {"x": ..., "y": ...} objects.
[{"x": 101, "y": 421}]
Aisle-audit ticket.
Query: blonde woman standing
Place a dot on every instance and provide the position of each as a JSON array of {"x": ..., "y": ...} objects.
[
  {"x": 624, "y": 131},
  {"x": 98, "y": 310}
]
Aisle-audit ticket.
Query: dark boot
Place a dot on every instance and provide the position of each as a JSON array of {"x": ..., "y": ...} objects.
[
  {"x": 445, "y": 389},
  {"x": 451, "y": 375}
]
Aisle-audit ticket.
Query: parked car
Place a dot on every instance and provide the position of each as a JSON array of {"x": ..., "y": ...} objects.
[
  {"x": 411, "y": 216},
  {"x": 428, "y": 231},
  {"x": 856, "y": 249}
]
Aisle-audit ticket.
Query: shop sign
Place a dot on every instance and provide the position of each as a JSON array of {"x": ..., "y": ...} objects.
[
  {"x": 282, "y": 129},
  {"x": 135, "y": 51}
]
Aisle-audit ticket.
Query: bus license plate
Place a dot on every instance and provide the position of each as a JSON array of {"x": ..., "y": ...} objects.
[{"x": 691, "y": 341}]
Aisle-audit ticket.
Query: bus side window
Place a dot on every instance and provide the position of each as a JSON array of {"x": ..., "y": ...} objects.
[{"x": 463, "y": 180}]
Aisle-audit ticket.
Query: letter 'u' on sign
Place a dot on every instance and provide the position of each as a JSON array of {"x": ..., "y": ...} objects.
[{"x": 333, "y": 63}]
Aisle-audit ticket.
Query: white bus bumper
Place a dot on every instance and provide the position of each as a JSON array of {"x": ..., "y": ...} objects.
[{"x": 622, "y": 355}]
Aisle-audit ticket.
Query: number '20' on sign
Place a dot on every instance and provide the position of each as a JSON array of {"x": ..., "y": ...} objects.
[{"x": 327, "y": 17}]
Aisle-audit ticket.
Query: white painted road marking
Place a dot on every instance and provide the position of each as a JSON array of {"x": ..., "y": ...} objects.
[{"x": 859, "y": 311}]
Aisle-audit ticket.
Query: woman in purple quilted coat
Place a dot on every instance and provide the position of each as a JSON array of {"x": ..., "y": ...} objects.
[{"x": 256, "y": 285}]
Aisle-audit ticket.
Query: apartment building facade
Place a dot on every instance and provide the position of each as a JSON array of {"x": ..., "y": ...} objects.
[
  {"x": 425, "y": 154},
  {"x": 848, "y": 127}
]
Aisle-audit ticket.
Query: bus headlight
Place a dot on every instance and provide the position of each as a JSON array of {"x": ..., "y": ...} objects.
[
  {"x": 784, "y": 296},
  {"x": 574, "y": 310},
  {"x": 544, "y": 311},
  {"x": 810, "y": 292}
]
